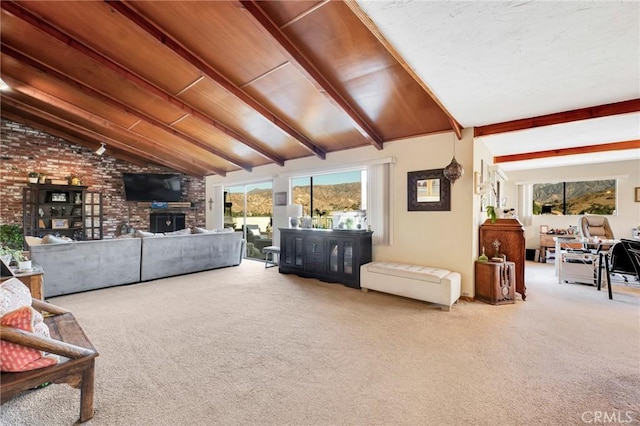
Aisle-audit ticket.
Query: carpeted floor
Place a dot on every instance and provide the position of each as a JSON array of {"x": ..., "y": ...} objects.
[{"x": 249, "y": 346}]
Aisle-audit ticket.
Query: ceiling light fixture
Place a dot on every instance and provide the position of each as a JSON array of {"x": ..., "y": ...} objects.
[
  {"x": 3, "y": 86},
  {"x": 102, "y": 149},
  {"x": 454, "y": 170}
]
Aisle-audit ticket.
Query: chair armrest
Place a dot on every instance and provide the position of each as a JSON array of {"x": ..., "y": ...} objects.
[
  {"x": 42, "y": 306},
  {"x": 35, "y": 341}
]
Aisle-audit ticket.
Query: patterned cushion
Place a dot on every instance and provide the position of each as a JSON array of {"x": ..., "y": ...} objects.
[{"x": 15, "y": 357}]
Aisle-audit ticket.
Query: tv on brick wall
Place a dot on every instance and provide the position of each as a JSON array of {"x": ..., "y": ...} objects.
[{"x": 152, "y": 187}]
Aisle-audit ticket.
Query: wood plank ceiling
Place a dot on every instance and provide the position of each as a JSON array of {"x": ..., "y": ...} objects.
[{"x": 209, "y": 87}]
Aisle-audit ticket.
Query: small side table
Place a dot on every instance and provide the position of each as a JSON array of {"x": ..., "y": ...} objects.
[
  {"x": 496, "y": 282},
  {"x": 33, "y": 279}
]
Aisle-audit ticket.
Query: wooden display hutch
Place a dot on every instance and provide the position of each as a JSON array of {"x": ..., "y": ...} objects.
[
  {"x": 328, "y": 255},
  {"x": 510, "y": 234},
  {"x": 66, "y": 210}
]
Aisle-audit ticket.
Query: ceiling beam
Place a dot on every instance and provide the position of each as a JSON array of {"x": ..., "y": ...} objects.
[
  {"x": 7, "y": 100},
  {"x": 118, "y": 105},
  {"x": 90, "y": 143},
  {"x": 305, "y": 65},
  {"x": 91, "y": 117},
  {"x": 373, "y": 28},
  {"x": 166, "y": 40},
  {"x": 589, "y": 149},
  {"x": 130, "y": 76},
  {"x": 606, "y": 110}
]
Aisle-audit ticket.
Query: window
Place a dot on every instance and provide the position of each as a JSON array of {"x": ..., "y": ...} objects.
[
  {"x": 332, "y": 199},
  {"x": 575, "y": 198}
]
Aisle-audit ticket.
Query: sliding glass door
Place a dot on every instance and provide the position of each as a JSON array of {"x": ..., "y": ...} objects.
[{"x": 250, "y": 210}]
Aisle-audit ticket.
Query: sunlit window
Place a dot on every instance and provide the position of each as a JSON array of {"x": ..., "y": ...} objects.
[
  {"x": 332, "y": 200},
  {"x": 575, "y": 198}
]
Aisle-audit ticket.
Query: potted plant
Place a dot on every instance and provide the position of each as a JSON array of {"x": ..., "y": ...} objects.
[
  {"x": 11, "y": 236},
  {"x": 42, "y": 178},
  {"x": 6, "y": 254},
  {"x": 491, "y": 212},
  {"x": 74, "y": 179},
  {"x": 33, "y": 177},
  {"x": 23, "y": 261}
]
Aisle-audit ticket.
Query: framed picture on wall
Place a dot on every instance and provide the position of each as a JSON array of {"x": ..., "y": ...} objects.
[
  {"x": 428, "y": 190},
  {"x": 280, "y": 198}
]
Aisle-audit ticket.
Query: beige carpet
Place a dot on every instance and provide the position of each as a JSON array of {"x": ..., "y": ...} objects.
[{"x": 249, "y": 346}]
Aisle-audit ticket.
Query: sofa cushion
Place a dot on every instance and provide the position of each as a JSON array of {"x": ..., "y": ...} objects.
[
  {"x": 421, "y": 273},
  {"x": 185, "y": 231}
]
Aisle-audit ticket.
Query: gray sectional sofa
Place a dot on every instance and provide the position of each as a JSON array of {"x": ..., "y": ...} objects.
[{"x": 89, "y": 265}]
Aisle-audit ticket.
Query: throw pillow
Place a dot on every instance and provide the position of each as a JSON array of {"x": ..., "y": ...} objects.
[
  {"x": 52, "y": 239},
  {"x": 14, "y": 357},
  {"x": 13, "y": 295}
]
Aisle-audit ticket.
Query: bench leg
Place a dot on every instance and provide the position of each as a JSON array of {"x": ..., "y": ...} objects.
[
  {"x": 86, "y": 392},
  {"x": 445, "y": 308}
]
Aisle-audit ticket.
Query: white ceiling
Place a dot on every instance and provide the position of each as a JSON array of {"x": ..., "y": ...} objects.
[{"x": 491, "y": 62}]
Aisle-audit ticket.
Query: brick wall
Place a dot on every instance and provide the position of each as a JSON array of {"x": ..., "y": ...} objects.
[{"x": 24, "y": 149}]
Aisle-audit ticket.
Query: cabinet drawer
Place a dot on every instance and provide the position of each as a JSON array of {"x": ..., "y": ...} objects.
[
  {"x": 314, "y": 267},
  {"x": 314, "y": 257}
]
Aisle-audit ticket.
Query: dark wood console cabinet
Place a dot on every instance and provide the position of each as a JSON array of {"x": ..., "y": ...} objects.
[
  {"x": 510, "y": 234},
  {"x": 328, "y": 255}
]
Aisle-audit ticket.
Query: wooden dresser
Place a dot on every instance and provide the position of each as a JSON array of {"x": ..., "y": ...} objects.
[{"x": 510, "y": 234}]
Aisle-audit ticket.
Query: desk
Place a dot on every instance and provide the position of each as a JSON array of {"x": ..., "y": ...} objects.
[
  {"x": 567, "y": 241},
  {"x": 562, "y": 241},
  {"x": 33, "y": 279}
]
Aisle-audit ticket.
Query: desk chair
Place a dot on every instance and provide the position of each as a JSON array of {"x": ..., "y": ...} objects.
[
  {"x": 591, "y": 227},
  {"x": 623, "y": 259}
]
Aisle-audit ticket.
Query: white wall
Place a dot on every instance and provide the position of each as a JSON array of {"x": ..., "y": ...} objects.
[
  {"x": 440, "y": 239},
  {"x": 626, "y": 172}
]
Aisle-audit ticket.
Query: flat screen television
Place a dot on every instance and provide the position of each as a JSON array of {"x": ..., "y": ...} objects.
[{"x": 152, "y": 187}]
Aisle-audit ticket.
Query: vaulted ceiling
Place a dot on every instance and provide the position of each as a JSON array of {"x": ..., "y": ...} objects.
[{"x": 210, "y": 87}]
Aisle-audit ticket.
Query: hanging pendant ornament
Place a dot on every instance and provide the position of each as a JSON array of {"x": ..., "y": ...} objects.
[{"x": 454, "y": 170}]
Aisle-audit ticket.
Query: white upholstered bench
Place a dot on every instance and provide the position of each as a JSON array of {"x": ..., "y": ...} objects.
[{"x": 434, "y": 285}]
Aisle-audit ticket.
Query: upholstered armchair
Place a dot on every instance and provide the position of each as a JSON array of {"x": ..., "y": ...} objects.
[{"x": 593, "y": 227}]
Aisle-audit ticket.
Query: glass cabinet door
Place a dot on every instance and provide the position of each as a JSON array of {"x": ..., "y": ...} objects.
[
  {"x": 341, "y": 256},
  {"x": 299, "y": 257},
  {"x": 292, "y": 254},
  {"x": 348, "y": 257}
]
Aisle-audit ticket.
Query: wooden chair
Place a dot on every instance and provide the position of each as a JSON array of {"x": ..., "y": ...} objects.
[{"x": 77, "y": 362}]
